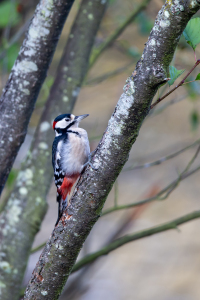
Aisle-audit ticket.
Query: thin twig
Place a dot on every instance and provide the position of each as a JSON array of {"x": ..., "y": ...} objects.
[
  {"x": 191, "y": 161},
  {"x": 162, "y": 159},
  {"x": 168, "y": 189},
  {"x": 38, "y": 248},
  {"x": 165, "y": 105},
  {"x": 135, "y": 236},
  {"x": 103, "y": 77},
  {"x": 189, "y": 81},
  {"x": 180, "y": 84},
  {"x": 97, "y": 52}
]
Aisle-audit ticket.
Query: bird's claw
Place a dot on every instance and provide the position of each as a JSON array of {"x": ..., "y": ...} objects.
[{"x": 89, "y": 162}]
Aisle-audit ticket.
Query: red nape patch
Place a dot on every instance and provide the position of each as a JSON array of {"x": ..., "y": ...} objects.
[
  {"x": 67, "y": 185},
  {"x": 54, "y": 124}
]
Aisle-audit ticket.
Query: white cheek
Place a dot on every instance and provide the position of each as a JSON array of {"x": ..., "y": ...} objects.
[{"x": 61, "y": 124}]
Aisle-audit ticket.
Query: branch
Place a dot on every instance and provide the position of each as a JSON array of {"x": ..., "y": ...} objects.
[
  {"x": 177, "y": 86},
  {"x": 61, "y": 251},
  {"x": 167, "y": 104},
  {"x": 26, "y": 78},
  {"x": 37, "y": 248},
  {"x": 107, "y": 75},
  {"x": 162, "y": 159},
  {"x": 108, "y": 42},
  {"x": 27, "y": 206},
  {"x": 133, "y": 237},
  {"x": 168, "y": 189}
]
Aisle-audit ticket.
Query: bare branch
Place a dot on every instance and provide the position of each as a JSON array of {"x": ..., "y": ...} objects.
[
  {"x": 37, "y": 248},
  {"x": 167, "y": 104},
  {"x": 98, "y": 51},
  {"x": 168, "y": 189},
  {"x": 135, "y": 236},
  {"x": 162, "y": 159},
  {"x": 177, "y": 86},
  {"x": 103, "y": 77}
]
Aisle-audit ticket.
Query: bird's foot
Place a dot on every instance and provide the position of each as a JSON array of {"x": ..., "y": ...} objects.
[{"x": 89, "y": 162}]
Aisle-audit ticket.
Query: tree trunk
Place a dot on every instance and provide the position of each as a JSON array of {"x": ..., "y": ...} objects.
[
  {"x": 26, "y": 78},
  {"x": 27, "y": 205},
  {"x": 61, "y": 251}
]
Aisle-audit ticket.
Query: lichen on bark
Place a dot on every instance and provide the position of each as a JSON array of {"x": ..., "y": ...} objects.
[
  {"x": 26, "y": 78},
  {"x": 36, "y": 174}
]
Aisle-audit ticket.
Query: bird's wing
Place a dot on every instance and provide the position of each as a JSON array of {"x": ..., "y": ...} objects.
[
  {"x": 56, "y": 162},
  {"x": 54, "y": 151}
]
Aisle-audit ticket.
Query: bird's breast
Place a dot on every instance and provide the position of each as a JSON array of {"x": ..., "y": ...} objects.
[{"x": 75, "y": 152}]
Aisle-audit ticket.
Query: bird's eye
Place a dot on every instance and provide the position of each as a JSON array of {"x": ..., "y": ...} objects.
[{"x": 67, "y": 120}]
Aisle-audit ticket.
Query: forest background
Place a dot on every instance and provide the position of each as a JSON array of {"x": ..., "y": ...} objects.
[{"x": 167, "y": 264}]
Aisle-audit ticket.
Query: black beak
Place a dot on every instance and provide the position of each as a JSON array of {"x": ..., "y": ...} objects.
[{"x": 80, "y": 118}]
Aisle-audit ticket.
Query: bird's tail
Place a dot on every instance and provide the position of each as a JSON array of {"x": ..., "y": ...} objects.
[
  {"x": 63, "y": 191},
  {"x": 62, "y": 204}
]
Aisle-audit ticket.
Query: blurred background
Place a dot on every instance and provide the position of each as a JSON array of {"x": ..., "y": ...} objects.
[{"x": 164, "y": 266}]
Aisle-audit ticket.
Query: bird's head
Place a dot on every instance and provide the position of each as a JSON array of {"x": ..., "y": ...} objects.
[{"x": 67, "y": 121}]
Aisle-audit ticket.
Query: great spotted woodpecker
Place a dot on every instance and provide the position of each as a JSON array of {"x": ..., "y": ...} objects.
[{"x": 70, "y": 154}]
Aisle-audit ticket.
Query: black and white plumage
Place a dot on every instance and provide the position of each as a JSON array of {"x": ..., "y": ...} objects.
[{"x": 70, "y": 154}]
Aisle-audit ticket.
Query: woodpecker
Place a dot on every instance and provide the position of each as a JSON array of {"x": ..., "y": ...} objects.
[{"x": 70, "y": 155}]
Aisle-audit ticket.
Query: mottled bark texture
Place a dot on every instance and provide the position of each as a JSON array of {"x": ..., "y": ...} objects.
[
  {"x": 26, "y": 78},
  {"x": 26, "y": 207},
  {"x": 61, "y": 251}
]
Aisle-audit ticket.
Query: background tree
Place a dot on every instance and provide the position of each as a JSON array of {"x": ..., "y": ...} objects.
[{"x": 146, "y": 81}]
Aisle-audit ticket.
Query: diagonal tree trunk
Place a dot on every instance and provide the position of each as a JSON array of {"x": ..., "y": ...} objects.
[
  {"x": 61, "y": 251},
  {"x": 27, "y": 206}
]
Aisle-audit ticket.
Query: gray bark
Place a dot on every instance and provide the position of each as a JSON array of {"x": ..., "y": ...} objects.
[
  {"x": 26, "y": 78},
  {"x": 61, "y": 251},
  {"x": 26, "y": 207}
]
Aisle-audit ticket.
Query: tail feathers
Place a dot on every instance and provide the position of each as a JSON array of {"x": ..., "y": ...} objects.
[
  {"x": 63, "y": 191},
  {"x": 62, "y": 204},
  {"x": 67, "y": 185}
]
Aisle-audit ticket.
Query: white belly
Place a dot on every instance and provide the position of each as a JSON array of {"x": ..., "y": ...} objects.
[{"x": 75, "y": 153}]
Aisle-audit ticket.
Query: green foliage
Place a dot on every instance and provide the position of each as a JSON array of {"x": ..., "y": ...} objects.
[
  {"x": 145, "y": 23},
  {"x": 11, "y": 178},
  {"x": 11, "y": 55},
  {"x": 8, "y": 14},
  {"x": 192, "y": 32},
  {"x": 174, "y": 74},
  {"x": 111, "y": 2},
  {"x": 47, "y": 85},
  {"x": 198, "y": 77},
  {"x": 193, "y": 88},
  {"x": 134, "y": 52},
  {"x": 194, "y": 120},
  {"x": 45, "y": 90}
]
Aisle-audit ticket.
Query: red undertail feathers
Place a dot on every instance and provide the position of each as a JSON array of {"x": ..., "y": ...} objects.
[{"x": 67, "y": 185}]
